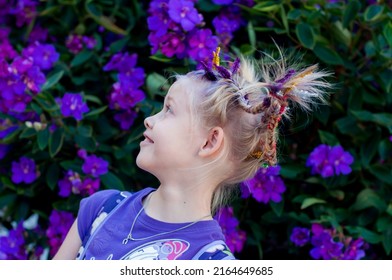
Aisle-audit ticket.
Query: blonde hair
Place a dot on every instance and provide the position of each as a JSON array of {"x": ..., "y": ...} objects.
[{"x": 248, "y": 102}]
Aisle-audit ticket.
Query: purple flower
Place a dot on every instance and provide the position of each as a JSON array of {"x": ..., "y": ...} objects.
[
  {"x": 74, "y": 43},
  {"x": 24, "y": 171},
  {"x": 159, "y": 22},
  {"x": 6, "y": 49},
  {"x": 4, "y": 150},
  {"x": 201, "y": 44},
  {"x": 95, "y": 166},
  {"x": 43, "y": 55},
  {"x": 72, "y": 105},
  {"x": 124, "y": 98},
  {"x": 184, "y": 13},
  {"x": 173, "y": 44},
  {"x": 24, "y": 12},
  {"x": 89, "y": 186},
  {"x": 89, "y": 42},
  {"x": 266, "y": 185},
  {"x": 390, "y": 138},
  {"x": 328, "y": 161},
  {"x": 59, "y": 224},
  {"x": 341, "y": 160},
  {"x": 24, "y": 71},
  {"x": 38, "y": 34},
  {"x": 12, "y": 246},
  {"x": 6, "y": 127},
  {"x": 328, "y": 244},
  {"x": 34, "y": 79},
  {"x": 325, "y": 247},
  {"x": 129, "y": 75},
  {"x": 82, "y": 153},
  {"x": 71, "y": 183},
  {"x": 354, "y": 250},
  {"x": 222, "y": 2},
  {"x": 235, "y": 238},
  {"x": 12, "y": 94},
  {"x": 126, "y": 118},
  {"x": 227, "y": 22},
  {"x": 300, "y": 236}
]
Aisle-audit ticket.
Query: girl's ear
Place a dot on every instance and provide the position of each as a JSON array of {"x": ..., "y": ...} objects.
[{"x": 213, "y": 143}]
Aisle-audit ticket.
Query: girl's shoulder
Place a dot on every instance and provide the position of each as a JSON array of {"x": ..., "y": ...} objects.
[
  {"x": 216, "y": 250},
  {"x": 100, "y": 204}
]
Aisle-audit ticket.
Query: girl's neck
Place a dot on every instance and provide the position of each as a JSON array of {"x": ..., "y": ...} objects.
[{"x": 175, "y": 204}]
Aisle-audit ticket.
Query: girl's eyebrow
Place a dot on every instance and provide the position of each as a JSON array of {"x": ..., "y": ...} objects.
[{"x": 171, "y": 100}]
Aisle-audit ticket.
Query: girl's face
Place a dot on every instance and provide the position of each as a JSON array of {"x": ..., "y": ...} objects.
[{"x": 171, "y": 139}]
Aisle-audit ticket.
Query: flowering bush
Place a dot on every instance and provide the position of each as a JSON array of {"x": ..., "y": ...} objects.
[{"x": 77, "y": 78}]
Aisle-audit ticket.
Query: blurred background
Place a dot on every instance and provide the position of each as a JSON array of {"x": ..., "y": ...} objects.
[{"x": 77, "y": 78}]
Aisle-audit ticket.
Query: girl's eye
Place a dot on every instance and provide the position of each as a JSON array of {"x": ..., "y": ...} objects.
[{"x": 168, "y": 109}]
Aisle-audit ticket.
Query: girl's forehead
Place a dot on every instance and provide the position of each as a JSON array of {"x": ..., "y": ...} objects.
[{"x": 180, "y": 89}]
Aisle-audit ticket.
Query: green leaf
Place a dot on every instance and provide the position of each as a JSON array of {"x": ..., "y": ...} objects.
[
  {"x": 348, "y": 126},
  {"x": 52, "y": 176},
  {"x": 267, "y": 6},
  {"x": 341, "y": 34},
  {"x": 369, "y": 149},
  {"x": 42, "y": 138},
  {"x": 382, "y": 173},
  {"x": 136, "y": 134},
  {"x": 95, "y": 112},
  {"x": 291, "y": 171},
  {"x": 328, "y": 138},
  {"x": 112, "y": 181},
  {"x": 373, "y": 12},
  {"x": 56, "y": 140},
  {"x": 305, "y": 35},
  {"x": 327, "y": 55},
  {"x": 85, "y": 130},
  {"x": 387, "y": 32},
  {"x": 338, "y": 194},
  {"x": 311, "y": 201},
  {"x": 277, "y": 207},
  {"x": 106, "y": 22},
  {"x": 74, "y": 165},
  {"x": 386, "y": 82},
  {"x": 384, "y": 119},
  {"x": 27, "y": 133},
  {"x": 351, "y": 12},
  {"x": 389, "y": 209},
  {"x": 294, "y": 14},
  {"x": 86, "y": 143},
  {"x": 93, "y": 98},
  {"x": 369, "y": 236},
  {"x": 52, "y": 80},
  {"x": 384, "y": 148},
  {"x": 369, "y": 198},
  {"x": 387, "y": 240},
  {"x": 118, "y": 45},
  {"x": 81, "y": 58},
  {"x": 7, "y": 200},
  {"x": 161, "y": 58},
  {"x": 251, "y": 34},
  {"x": 284, "y": 18},
  {"x": 156, "y": 85}
]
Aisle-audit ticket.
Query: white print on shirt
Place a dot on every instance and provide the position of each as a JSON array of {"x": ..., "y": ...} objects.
[{"x": 166, "y": 249}]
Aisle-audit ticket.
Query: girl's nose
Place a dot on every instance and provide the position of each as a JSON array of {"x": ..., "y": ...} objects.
[{"x": 148, "y": 122}]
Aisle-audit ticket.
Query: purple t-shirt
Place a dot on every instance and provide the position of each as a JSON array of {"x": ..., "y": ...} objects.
[{"x": 108, "y": 231}]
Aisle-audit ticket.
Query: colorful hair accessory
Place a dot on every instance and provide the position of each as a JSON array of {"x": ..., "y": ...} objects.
[
  {"x": 256, "y": 155},
  {"x": 216, "y": 59},
  {"x": 222, "y": 71},
  {"x": 265, "y": 165}
]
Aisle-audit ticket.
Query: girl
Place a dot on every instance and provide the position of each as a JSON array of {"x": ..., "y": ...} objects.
[{"x": 217, "y": 126}]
